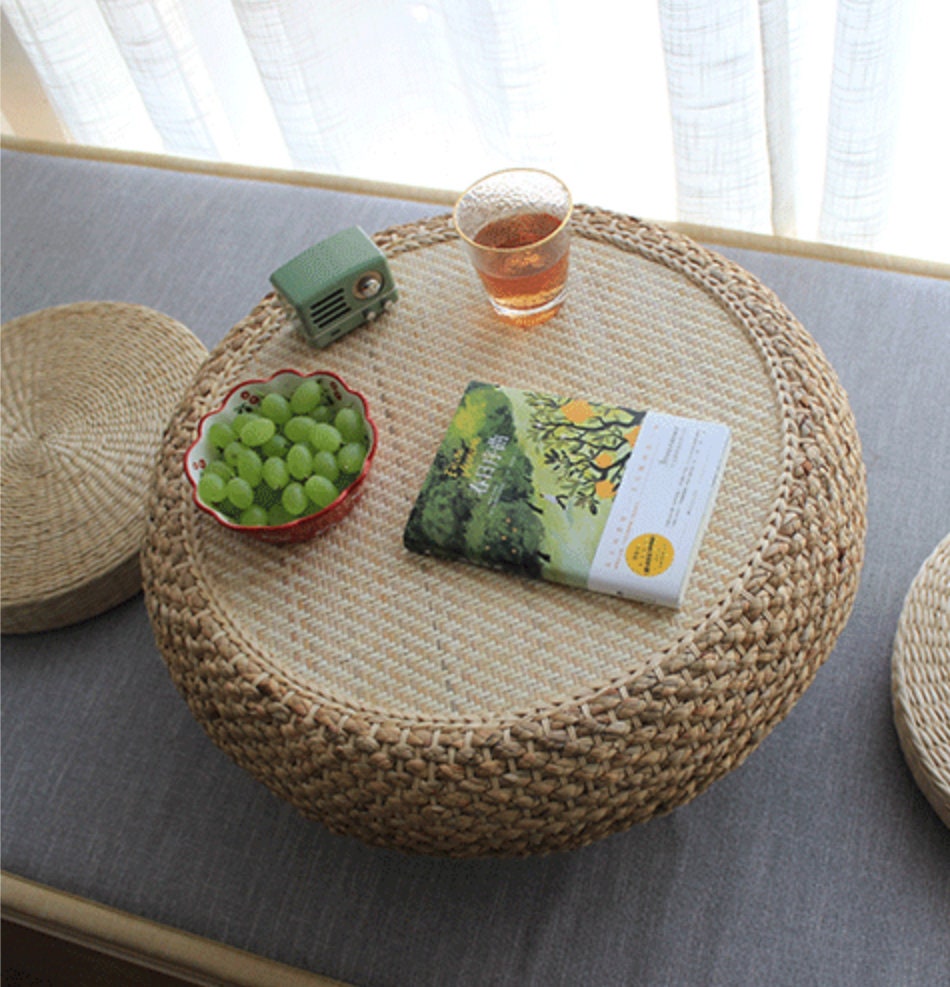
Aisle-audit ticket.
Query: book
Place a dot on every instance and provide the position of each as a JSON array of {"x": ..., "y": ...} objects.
[{"x": 596, "y": 496}]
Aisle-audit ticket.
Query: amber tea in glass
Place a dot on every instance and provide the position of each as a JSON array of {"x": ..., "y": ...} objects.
[{"x": 515, "y": 227}]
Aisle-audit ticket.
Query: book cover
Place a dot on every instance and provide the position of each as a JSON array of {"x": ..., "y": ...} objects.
[{"x": 600, "y": 497}]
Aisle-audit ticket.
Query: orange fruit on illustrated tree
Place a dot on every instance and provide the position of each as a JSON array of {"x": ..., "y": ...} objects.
[{"x": 577, "y": 411}]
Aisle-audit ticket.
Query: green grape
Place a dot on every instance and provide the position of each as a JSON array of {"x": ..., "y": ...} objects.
[
  {"x": 324, "y": 464},
  {"x": 308, "y": 394},
  {"x": 349, "y": 423},
  {"x": 220, "y": 434},
  {"x": 278, "y": 514},
  {"x": 276, "y": 407},
  {"x": 298, "y": 429},
  {"x": 300, "y": 461},
  {"x": 254, "y": 515},
  {"x": 242, "y": 418},
  {"x": 322, "y": 413},
  {"x": 257, "y": 431},
  {"x": 231, "y": 452},
  {"x": 350, "y": 457},
  {"x": 221, "y": 468},
  {"x": 294, "y": 499},
  {"x": 321, "y": 491},
  {"x": 275, "y": 473},
  {"x": 212, "y": 489},
  {"x": 324, "y": 437},
  {"x": 240, "y": 493},
  {"x": 249, "y": 466},
  {"x": 276, "y": 445}
]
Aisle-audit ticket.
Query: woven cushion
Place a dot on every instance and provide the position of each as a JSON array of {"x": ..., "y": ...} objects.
[
  {"x": 87, "y": 391},
  {"x": 439, "y": 707},
  {"x": 920, "y": 679}
]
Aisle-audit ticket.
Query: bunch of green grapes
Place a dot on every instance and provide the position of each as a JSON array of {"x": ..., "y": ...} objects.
[{"x": 290, "y": 457}]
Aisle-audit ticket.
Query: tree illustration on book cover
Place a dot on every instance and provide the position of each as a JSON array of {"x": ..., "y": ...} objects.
[{"x": 523, "y": 481}]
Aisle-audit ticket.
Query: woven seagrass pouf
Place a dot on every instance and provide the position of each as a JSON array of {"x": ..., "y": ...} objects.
[
  {"x": 443, "y": 708},
  {"x": 87, "y": 391},
  {"x": 920, "y": 679}
]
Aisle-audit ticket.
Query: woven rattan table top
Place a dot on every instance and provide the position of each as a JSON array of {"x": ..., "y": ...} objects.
[
  {"x": 87, "y": 391},
  {"x": 444, "y": 708}
]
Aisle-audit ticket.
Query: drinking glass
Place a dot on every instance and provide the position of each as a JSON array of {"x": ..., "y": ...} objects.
[{"x": 515, "y": 225}]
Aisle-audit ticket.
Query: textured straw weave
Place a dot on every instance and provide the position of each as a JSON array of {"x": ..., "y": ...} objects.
[
  {"x": 920, "y": 679},
  {"x": 438, "y": 707},
  {"x": 87, "y": 391}
]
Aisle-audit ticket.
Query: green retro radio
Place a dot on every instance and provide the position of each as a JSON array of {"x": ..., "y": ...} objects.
[{"x": 337, "y": 285}]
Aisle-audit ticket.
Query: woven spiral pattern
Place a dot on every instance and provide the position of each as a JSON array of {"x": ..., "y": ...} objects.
[
  {"x": 438, "y": 707},
  {"x": 87, "y": 391},
  {"x": 920, "y": 679}
]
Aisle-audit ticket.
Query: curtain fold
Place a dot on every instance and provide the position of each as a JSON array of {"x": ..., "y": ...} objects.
[
  {"x": 717, "y": 105},
  {"x": 289, "y": 60},
  {"x": 163, "y": 59},
  {"x": 869, "y": 59},
  {"x": 508, "y": 48},
  {"x": 83, "y": 73},
  {"x": 780, "y": 31}
]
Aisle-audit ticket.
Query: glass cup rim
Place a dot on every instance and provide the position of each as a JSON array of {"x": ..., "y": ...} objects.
[{"x": 511, "y": 171}]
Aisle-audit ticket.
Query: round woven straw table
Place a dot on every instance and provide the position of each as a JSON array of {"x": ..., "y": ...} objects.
[
  {"x": 920, "y": 679},
  {"x": 438, "y": 707},
  {"x": 87, "y": 391}
]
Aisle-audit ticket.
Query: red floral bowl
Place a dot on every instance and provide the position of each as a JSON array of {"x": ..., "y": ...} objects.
[{"x": 207, "y": 454}]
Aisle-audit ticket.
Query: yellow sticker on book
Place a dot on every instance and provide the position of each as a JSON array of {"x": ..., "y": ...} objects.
[{"x": 649, "y": 555}]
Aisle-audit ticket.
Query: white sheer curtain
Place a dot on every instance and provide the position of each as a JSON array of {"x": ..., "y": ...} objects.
[
  {"x": 867, "y": 75},
  {"x": 799, "y": 117}
]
